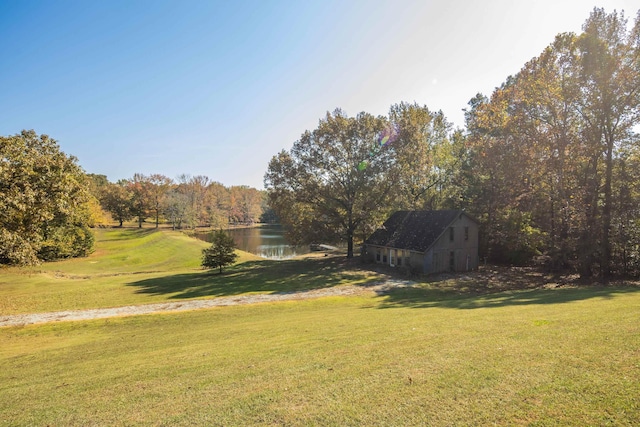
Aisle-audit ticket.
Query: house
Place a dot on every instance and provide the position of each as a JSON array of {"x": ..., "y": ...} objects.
[{"x": 426, "y": 241}]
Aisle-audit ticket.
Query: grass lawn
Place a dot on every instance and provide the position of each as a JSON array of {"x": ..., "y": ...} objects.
[
  {"x": 132, "y": 266},
  {"x": 551, "y": 357},
  {"x": 414, "y": 356}
]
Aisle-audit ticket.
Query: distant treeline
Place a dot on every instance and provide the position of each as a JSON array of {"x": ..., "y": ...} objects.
[{"x": 188, "y": 202}]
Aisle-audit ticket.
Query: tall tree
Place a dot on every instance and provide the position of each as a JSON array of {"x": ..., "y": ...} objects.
[
  {"x": 158, "y": 188},
  {"x": 245, "y": 204},
  {"x": 44, "y": 196},
  {"x": 195, "y": 188},
  {"x": 176, "y": 207},
  {"x": 117, "y": 199},
  {"x": 142, "y": 201},
  {"x": 499, "y": 178},
  {"x": 611, "y": 84},
  {"x": 217, "y": 205},
  {"x": 548, "y": 125},
  {"x": 335, "y": 179},
  {"x": 424, "y": 155}
]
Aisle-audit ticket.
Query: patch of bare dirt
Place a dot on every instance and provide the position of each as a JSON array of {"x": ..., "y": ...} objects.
[{"x": 133, "y": 310}]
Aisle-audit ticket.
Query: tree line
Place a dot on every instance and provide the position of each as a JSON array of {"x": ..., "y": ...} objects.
[
  {"x": 549, "y": 164},
  {"x": 188, "y": 202}
]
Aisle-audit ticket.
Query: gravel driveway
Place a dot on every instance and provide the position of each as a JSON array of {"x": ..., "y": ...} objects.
[{"x": 132, "y": 310}]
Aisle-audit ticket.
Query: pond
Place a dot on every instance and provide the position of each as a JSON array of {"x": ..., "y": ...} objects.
[{"x": 267, "y": 241}]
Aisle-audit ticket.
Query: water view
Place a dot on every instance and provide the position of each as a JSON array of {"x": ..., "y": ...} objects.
[{"x": 267, "y": 241}]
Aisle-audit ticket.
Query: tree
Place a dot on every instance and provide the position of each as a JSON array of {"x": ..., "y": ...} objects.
[
  {"x": 176, "y": 206},
  {"x": 117, "y": 200},
  {"x": 335, "y": 180},
  {"x": 158, "y": 188},
  {"x": 142, "y": 197},
  {"x": 97, "y": 187},
  {"x": 245, "y": 204},
  {"x": 195, "y": 188},
  {"x": 611, "y": 84},
  {"x": 221, "y": 253},
  {"x": 217, "y": 205},
  {"x": 424, "y": 156},
  {"x": 44, "y": 211}
]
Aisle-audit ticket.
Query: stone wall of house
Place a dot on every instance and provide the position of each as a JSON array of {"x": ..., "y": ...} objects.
[{"x": 456, "y": 249}]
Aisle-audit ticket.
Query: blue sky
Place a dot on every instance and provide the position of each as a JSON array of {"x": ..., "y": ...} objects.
[{"x": 217, "y": 88}]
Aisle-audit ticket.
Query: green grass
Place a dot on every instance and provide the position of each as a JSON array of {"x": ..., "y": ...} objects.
[
  {"x": 433, "y": 354},
  {"x": 568, "y": 358},
  {"x": 132, "y": 266}
]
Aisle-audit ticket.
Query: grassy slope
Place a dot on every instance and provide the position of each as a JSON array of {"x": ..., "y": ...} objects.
[
  {"x": 143, "y": 266},
  {"x": 413, "y": 357},
  {"x": 100, "y": 279},
  {"x": 549, "y": 358}
]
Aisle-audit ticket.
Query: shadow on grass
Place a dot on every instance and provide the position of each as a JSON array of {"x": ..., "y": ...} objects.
[
  {"x": 423, "y": 297},
  {"x": 262, "y": 276},
  {"x": 498, "y": 286}
]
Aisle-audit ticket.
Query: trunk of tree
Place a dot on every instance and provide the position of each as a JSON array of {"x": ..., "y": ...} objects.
[
  {"x": 588, "y": 236},
  {"x": 605, "y": 265},
  {"x": 157, "y": 217},
  {"x": 553, "y": 245},
  {"x": 350, "y": 241}
]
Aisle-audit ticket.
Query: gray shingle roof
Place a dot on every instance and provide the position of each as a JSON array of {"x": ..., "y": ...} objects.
[{"x": 413, "y": 230}]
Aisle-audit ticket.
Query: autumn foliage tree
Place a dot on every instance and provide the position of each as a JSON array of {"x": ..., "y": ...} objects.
[
  {"x": 334, "y": 180},
  {"x": 117, "y": 199},
  {"x": 425, "y": 157},
  {"x": 552, "y": 147}
]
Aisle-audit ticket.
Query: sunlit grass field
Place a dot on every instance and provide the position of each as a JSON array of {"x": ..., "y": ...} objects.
[
  {"x": 334, "y": 361},
  {"x": 138, "y": 266},
  {"x": 413, "y": 356}
]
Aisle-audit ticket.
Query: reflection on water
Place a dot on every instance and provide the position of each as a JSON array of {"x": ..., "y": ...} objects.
[{"x": 267, "y": 241}]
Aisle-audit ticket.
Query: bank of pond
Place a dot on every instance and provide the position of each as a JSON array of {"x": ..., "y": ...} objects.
[{"x": 267, "y": 241}]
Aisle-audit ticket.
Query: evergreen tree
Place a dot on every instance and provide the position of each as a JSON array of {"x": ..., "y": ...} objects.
[{"x": 221, "y": 253}]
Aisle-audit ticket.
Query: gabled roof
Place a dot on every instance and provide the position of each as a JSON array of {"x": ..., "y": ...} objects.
[{"x": 413, "y": 230}]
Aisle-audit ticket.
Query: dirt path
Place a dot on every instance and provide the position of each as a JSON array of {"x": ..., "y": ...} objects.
[{"x": 133, "y": 310}]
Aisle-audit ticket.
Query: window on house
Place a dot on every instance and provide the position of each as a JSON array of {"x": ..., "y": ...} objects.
[
  {"x": 400, "y": 255},
  {"x": 466, "y": 233},
  {"x": 451, "y": 235},
  {"x": 378, "y": 255}
]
